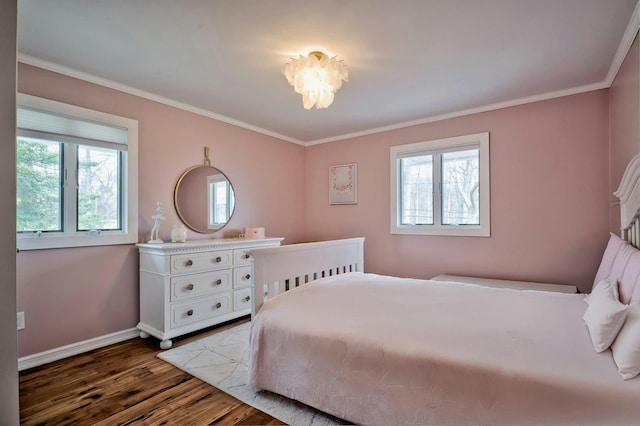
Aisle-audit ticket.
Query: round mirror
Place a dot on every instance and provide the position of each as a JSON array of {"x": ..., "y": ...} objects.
[{"x": 204, "y": 199}]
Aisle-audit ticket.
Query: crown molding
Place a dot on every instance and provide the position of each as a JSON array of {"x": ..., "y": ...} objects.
[
  {"x": 624, "y": 46},
  {"x": 60, "y": 69},
  {"x": 485, "y": 108}
]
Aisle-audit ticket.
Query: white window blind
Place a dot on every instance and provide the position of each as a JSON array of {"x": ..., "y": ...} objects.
[{"x": 34, "y": 123}]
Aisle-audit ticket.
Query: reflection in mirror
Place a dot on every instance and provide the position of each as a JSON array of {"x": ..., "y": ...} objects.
[
  {"x": 204, "y": 199},
  {"x": 220, "y": 200}
]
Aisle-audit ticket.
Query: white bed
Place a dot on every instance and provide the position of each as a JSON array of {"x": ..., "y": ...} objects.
[{"x": 383, "y": 350}]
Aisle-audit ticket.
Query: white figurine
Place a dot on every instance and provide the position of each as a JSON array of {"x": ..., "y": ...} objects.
[{"x": 156, "y": 225}]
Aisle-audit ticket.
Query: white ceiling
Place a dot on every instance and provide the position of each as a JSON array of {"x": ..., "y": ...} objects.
[{"x": 410, "y": 61}]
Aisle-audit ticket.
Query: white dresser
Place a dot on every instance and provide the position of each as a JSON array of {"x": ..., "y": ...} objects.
[{"x": 185, "y": 287}]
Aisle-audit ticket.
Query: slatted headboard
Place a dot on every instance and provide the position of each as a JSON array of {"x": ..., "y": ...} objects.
[
  {"x": 629, "y": 195},
  {"x": 278, "y": 269}
]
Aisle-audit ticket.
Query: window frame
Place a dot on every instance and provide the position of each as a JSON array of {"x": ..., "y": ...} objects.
[
  {"x": 129, "y": 209},
  {"x": 440, "y": 146}
]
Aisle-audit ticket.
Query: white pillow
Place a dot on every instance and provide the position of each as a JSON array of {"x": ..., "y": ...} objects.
[
  {"x": 605, "y": 315},
  {"x": 602, "y": 286},
  {"x": 626, "y": 348}
]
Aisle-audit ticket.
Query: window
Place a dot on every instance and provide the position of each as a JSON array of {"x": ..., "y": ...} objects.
[
  {"x": 441, "y": 187},
  {"x": 76, "y": 176}
]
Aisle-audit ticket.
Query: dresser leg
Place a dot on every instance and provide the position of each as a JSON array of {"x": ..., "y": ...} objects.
[
  {"x": 143, "y": 335},
  {"x": 166, "y": 344}
]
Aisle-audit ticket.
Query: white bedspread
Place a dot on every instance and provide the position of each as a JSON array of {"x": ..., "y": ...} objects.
[{"x": 380, "y": 350}]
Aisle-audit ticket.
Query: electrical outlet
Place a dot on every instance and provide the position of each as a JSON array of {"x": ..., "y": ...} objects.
[{"x": 20, "y": 322}]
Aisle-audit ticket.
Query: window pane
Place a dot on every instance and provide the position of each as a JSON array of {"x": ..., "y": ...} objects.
[
  {"x": 39, "y": 193},
  {"x": 417, "y": 190},
  {"x": 461, "y": 188},
  {"x": 98, "y": 188}
]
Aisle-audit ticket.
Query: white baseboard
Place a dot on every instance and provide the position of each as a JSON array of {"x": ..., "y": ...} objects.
[{"x": 55, "y": 354}]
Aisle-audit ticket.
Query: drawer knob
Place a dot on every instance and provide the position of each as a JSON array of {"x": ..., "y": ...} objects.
[
  {"x": 189, "y": 262},
  {"x": 190, "y": 312},
  {"x": 218, "y": 259},
  {"x": 190, "y": 287},
  {"x": 246, "y": 299},
  {"x": 219, "y": 282},
  {"x": 246, "y": 277},
  {"x": 247, "y": 256},
  {"x": 218, "y": 305}
]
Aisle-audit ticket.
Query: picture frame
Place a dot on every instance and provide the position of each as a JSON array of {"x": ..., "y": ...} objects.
[{"x": 343, "y": 184}]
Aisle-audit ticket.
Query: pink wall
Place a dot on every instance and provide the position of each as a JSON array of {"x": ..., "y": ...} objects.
[
  {"x": 549, "y": 196},
  {"x": 624, "y": 110},
  {"x": 70, "y": 295}
]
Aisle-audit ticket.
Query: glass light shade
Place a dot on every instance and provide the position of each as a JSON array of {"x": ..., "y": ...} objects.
[{"x": 316, "y": 77}]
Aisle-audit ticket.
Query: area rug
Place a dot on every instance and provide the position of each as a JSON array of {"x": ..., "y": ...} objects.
[{"x": 221, "y": 360}]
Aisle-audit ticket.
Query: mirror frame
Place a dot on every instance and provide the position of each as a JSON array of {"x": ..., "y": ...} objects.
[{"x": 180, "y": 214}]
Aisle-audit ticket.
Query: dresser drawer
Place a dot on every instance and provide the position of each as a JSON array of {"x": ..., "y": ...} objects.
[
  {"x": 242, "y": 299},
  {"x": 194, "y": 285},
  {"x": 242, "y": 277},
  {"x": 200, "y": 262},
  {"x": 241, "y": 257},
  {"x": 187, "y": 313}
]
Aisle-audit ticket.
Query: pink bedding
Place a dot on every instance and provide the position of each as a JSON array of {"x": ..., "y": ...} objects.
[{"x": 380, "y": 350}]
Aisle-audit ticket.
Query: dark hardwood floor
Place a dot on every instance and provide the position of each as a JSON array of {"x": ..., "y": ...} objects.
[{"x": 127, "y": 384}]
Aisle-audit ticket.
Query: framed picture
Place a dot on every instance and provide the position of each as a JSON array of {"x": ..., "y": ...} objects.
[{"x": 343, "y": 186}]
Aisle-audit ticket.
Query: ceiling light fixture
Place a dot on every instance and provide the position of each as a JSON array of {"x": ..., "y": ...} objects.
[{"x": 317, "y": 77}]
